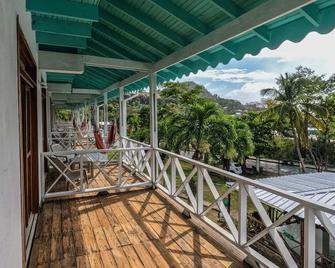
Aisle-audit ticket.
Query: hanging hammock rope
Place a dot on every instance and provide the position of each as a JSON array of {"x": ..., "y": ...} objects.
[{"x": 111, "y": 136}]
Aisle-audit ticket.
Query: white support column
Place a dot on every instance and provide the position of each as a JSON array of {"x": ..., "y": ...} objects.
[
  {"x": 242, "y": 214},
  {"x": 123, "y": 113},
  {"x": 309, "y": 238},
  {"x": 48, "y": 117},
  {"x": 105, "y": 115},
  {"x": 96, "y": 110},
  {"x": 153, "y": 110},
  {"x": 153, "y": 123}
]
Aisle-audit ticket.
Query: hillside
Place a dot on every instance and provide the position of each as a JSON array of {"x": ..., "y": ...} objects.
[{"x": 229, "y": 105}]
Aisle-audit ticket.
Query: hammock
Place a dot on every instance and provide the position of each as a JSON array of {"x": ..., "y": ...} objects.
[{"x": 111, "y": 137}]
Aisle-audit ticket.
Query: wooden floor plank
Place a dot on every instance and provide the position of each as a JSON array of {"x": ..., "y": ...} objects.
[
  {"x": 101, "y": 239},
  {"x": 120, "y": 258},
  {"x": 144, "y": 255},
  {"x": 82, "y": 261},
  {"x": 132, "y": 257},
  {"x": 108, "y": 259},
  {"x": 95, "y": 260}
]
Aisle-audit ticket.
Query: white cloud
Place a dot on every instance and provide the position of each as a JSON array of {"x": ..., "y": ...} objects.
[
  {"x": 315, "y": 51},
  {"x": 249, "y": 92},
  {"x": 233, "y": 75}
]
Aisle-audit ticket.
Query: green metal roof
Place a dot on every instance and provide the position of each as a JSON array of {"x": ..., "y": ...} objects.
[{"x": 149, "y": 30}]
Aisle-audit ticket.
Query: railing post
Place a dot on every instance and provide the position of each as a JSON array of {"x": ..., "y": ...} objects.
[
  {"x": 200, "y": 191},
  {"x": 242, "y": 214},
  {"x": 309, "y": 238},
  {"x": 120, "y": 168},
  {"x": 105, "y": 115},
  {"x": 173, "y": 176},
  {"x": 81, "y": 173},
  {"x": 153, "y": 125},
  {"x": 43, "y": 163}
]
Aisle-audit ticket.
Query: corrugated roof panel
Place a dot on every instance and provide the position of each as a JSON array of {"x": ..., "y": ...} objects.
[{"x": 319, "y": 187}]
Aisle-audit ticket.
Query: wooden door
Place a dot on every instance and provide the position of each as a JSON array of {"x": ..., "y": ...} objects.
[
  {"x": 28, "y": 150},
  {"x": 27, "y": 92}
]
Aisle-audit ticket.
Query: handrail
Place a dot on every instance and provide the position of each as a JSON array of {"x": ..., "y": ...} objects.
[
  {"x": 134, "y": 141},
  {"x": 255, "y": 183}
]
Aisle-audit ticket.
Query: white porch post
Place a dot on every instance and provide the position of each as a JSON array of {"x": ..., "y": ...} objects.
[
  {"x": 309, "y": 238},
  {"x": 48, "y": 117},
  {"x": 105, "y": 115},
  {"x": 153, "y": 124},
  {"x": 122, "y": 129},
  {"x": 96, "y": 110},
  {"x": 123, "y": 113}
]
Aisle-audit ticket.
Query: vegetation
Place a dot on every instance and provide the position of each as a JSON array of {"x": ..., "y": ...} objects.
[
  {"x": 192, "y": 123},
  {"x": 64, "y": 115},
  {"x": 297, "y": 123},
  {"x": 304, "y": 100}
]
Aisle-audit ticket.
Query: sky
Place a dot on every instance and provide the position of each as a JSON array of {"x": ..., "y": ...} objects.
[{"x": 242, "y": 80}]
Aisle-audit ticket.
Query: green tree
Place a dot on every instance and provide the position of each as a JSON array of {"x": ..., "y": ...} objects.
[
  {"x": 290, "y": 100},
  {"x": 222, "y": 137}
]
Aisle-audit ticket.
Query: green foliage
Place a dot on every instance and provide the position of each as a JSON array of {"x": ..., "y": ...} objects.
[
  {"x": 304, "y": 99},
  {"x": 64, "y": 115},
  {"x": 190, "y": 122}
]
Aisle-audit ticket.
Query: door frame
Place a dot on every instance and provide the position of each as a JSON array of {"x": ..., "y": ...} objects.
[{"x": 27, "y": 72}]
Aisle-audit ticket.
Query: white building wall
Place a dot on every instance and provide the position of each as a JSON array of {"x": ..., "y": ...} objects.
[{"x": 10, "y": 202}]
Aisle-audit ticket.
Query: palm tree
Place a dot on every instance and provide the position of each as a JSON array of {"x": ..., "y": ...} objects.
[
  {"x": 288, "y": 103},
  {"x": 191, "y": 127}
]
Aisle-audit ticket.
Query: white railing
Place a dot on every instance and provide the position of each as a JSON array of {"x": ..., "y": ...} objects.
[
  {"x": 72, "y": 140},
  {"x": 90, "y": 171},
  {"x": 190, "y": 183}
]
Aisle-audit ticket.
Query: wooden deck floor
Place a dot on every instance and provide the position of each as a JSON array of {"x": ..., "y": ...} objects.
[{"x": 134, "y": 229}]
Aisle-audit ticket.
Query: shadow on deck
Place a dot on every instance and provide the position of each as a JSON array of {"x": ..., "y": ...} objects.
[{"x": 133, "y": 229}]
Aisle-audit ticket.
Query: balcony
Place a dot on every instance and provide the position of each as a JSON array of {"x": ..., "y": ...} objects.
[{"x": 148, "y": 207}]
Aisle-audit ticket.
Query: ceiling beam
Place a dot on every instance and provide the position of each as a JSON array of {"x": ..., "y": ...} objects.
[
  {"x": 152, "y": 23},
  {"x": 310, "y": 14},
  {"x": 115, "y": 22},
  {"x": 102, "y": 62},
  {"x": 127, "y": 43},
  {"x": 66, "y": 88},
  {"x": 182, "y": 16},
  {"x": 75, "y": 63},
  {"x": 64, "y": 8},
  {"x": 59, "y": 26},
  {"x": 60, "y": 40},
  {"x": 60, "y": 62},
  {"x": 187, "y": 19},
  {"x": 234, "y": 11},
  {"x": 86, "y": 91},
  {"x": 248, "y": 21},
  {"x": 60, "y": 87}
]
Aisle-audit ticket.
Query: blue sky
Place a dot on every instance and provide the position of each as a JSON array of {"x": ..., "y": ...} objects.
[{"x": 242, "y": 80}]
